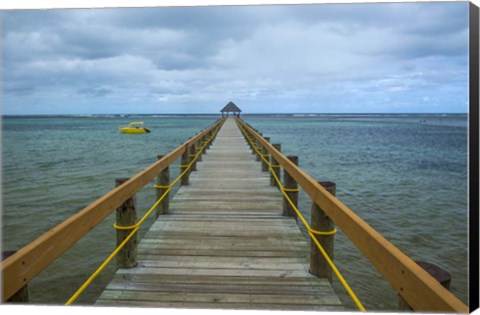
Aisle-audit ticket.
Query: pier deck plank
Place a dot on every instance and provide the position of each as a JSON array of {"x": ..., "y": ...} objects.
[{"x": 225, "y": 244}]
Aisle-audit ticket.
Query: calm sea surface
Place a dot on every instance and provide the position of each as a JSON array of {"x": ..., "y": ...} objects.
[{"x": 405, "y": 175}]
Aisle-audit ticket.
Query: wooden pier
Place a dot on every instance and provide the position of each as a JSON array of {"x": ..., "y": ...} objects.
[
  {"x": 230, "y": 237},
  {"x": 224, "y": 244}
]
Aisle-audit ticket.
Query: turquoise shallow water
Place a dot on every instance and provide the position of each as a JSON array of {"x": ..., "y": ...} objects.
[{"x": 406, "y": 175}]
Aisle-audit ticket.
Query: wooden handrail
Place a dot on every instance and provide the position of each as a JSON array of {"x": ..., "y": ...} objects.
[
  {"x": 421, "y": 291},
  {"x": 20, "y": 268}
]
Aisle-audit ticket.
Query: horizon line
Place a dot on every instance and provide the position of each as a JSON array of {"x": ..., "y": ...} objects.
[{"x": 243, "y": 114}]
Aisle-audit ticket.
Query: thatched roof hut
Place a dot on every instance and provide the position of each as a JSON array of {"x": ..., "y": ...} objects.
[{"x": 231, "y": 108}]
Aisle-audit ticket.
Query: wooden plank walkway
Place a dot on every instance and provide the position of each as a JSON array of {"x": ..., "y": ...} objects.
[{"x": 224, "y": 245}]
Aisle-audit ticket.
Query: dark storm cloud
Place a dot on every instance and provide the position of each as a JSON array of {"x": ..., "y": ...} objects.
[{"x": 200, "y": 56}]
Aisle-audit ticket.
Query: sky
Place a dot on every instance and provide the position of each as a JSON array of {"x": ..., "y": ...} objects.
[{"x": 319, "y": 58}]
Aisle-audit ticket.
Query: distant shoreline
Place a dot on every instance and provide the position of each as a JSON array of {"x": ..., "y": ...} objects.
[{"x": 246, "y": 114}]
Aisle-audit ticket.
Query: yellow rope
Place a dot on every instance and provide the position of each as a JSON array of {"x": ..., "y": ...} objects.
[
  {"x": 291, "y": 189},
  {"x": 115, "y": 252},
  {"x": 332, "y": 232},
  {"x": 134, "y": 228},
  {"x": 162, "y": 187},
  {"x": 337, "y": 272},
  {"x": 312, "y": 233},
  {"x": 128, "y": 227}
]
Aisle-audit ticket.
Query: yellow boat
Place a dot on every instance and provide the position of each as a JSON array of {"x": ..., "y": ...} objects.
[{"x": 134, "y": 127}]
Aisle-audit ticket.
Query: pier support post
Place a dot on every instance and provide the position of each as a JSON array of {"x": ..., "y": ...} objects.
[
  {"x": 126, "y": 216},
  {"x": 192, "y": 152},
  {"x": 322, "y": 223},
  {"x": 246, "y": 135},
  {"x": 210, "y": 135},
  {"x": 275, "y": 166},
  {"x": 436, "y": 272},
  {"x": 291, "y": 189},
  {"x": 185, "y": 160},
  {"x": 257, "y": 144},
  {"x": 198, "y": 147},
  {"x": 207, "y": 136},
  {"x": 265, "y": 155},
  {"x": 163, "y": 179},
  {"x": 252, "y": 143},
  {"x": 21, "y": 296},
  {"x": 204, "y": 143}
]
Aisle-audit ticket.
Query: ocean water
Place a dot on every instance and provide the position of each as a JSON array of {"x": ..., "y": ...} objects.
[{"x": 405, "y": 175}]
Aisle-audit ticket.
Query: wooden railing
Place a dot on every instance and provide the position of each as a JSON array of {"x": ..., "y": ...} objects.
[
  {"x": 28, "y": 262},
  {"x": 418, "y": 288}
]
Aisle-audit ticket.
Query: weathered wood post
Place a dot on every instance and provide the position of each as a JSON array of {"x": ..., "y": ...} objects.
[
  {"x": 252, "y": 143},
  {"x": 257, "y": 145},
  {"x": 322, "y": 223},
  {"x": 162, "y": 180},
  {"x": 207, "y": 137},
  {"x": 265, "y": 156},
  {"x": 192, "y": 154},
  {"x": 291, "y": 189},
  {"x": 204, "y": 142},
  {"x": 436, "y": 272},
  {"x": 198, "y": 147},
  {"x": 210, "y": 135},
  {"x": 246, "y": 135},
  {"x": 126, "y": 216},
  {"x": 185, "y": 160},
  {"x": 21, "y": 296},
  {"x": 275, "y": 166}
]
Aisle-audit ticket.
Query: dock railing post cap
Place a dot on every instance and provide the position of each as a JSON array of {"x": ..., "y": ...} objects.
[
  {"x": 439, "y": 274},
  {"x": 436, "y": 272},
  {"x": 120, "y": 181},
  {"x": 331, "y": 187},
  {"x": 7, "y": 253}
]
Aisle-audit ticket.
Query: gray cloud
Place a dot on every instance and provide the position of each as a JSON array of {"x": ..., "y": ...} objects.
[
  {"x": 95, "y": 92},
  {"x": 336, "y": 57}
]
